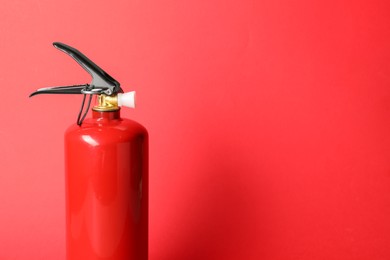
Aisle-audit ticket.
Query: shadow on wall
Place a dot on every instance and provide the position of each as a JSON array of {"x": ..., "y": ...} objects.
[{"x": 222, "y": 218}]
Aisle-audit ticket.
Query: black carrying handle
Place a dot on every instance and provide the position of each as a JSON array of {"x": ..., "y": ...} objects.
[
  {"x": 102, "y": 82},
  {"x": 75, "y": 89},
  {"x": 100, "y": 78}
]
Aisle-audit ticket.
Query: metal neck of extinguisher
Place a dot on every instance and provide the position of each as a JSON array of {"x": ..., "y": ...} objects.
[{"x": 109, "y": 92}]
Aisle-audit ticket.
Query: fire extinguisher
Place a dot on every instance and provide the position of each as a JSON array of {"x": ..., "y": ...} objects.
[{"x": 106, "y": 172}]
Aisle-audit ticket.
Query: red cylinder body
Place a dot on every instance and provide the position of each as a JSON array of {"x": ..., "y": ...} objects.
[{"x": 106, "y": 168}]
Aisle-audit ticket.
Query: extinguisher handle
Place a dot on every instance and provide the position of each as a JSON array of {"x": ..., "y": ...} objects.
[
  {"x": 102, "y": 83},
  {"x": 75, "y": 89},
  {"x": 100, "y": 78}
]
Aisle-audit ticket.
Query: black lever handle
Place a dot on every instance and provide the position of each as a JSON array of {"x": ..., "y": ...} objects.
[
  {"x": 100, "y": 78},
  {"x": 102, "y": 82}
]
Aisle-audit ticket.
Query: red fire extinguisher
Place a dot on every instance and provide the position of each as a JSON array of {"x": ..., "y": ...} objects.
[{"x": 106, "y": 170}]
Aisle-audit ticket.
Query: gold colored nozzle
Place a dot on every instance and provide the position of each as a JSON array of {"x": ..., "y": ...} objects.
[{"x": 106, "y": 103}]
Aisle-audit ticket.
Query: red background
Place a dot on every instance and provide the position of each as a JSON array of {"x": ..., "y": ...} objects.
[{"x": 268, "y": 120}]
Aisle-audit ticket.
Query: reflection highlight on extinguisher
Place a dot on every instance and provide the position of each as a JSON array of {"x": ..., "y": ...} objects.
[{"x": 89, "y": 140}]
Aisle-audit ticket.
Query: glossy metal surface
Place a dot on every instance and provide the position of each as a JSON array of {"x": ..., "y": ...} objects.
[{"x": 106, "y": 160}]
